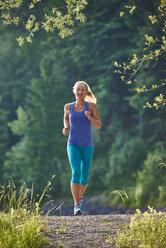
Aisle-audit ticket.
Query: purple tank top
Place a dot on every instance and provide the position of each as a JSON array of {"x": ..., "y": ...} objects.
[{"x": 80, "y": 127}]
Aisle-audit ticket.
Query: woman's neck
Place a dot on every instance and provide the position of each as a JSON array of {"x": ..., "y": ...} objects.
[{"x": 80, "y": 102}]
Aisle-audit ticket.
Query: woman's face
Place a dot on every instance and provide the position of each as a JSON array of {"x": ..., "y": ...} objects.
[{"x": 80, "y": 91}]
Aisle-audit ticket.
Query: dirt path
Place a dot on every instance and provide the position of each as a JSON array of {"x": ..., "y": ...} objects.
[{"x": 84, "y": 231}]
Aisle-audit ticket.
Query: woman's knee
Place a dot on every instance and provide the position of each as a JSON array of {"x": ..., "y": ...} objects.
[
  {"x": 76, "y": 176},
  {"x": 84, "y": 180}
]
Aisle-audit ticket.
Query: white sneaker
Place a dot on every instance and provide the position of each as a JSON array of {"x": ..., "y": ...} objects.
[{"x": 77, "y": 209}]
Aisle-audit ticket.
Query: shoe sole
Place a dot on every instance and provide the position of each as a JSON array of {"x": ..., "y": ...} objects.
[{"x": 78, "y": 213}]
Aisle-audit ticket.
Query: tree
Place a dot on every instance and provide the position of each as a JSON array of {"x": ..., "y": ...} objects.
[
  {"x": 35, "y": 15},
  {"x": 40, "y": 151},
  {"x": 4, "y": 137},
  {"x": 153, "y": 53},
  {"x": 37, "y": 79}
]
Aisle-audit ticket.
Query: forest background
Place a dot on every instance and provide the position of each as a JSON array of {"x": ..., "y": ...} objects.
[{"x": 36, "y": 81}]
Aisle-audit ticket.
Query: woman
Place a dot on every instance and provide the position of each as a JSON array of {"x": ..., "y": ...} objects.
[{"x": 79, "y": 115}]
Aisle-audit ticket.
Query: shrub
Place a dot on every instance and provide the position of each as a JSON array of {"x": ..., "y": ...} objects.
[
  {"x": 146, "y": 229},
  {"x": 20, "y": 217}
]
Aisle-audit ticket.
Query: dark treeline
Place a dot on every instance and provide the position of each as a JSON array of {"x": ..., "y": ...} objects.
[{"x": 35, "y": 83}]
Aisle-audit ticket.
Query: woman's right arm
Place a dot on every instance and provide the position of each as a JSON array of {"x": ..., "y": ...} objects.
[{"x": 66, "y": 119}]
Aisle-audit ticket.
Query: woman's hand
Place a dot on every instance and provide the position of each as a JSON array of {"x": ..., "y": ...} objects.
[
  {"x": 65, "y": 131},
  {"x": 93, "y": 115},
  {"x": 88, "y": 114}
]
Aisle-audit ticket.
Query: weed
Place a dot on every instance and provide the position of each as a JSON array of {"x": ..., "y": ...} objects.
[
  {"x": 146, "y": 230},
  {"x": 122, "y": 193},
  {"x": 20, "y": 217}
]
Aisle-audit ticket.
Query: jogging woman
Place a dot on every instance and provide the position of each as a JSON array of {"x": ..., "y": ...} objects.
[{"x": 79, "y": 116}]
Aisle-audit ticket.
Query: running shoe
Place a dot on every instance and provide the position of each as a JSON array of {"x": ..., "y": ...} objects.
[
  {"x": 81, "y": 203},
  {"x": 77, "y": 209}
]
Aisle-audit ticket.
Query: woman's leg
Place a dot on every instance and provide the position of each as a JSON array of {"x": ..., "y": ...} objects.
[
  {"x": 82, "y": 189},
  {"x": 86, "y": 156},
  {"x": 76, "y": 189},
  {"x": 74, "y": 155}
]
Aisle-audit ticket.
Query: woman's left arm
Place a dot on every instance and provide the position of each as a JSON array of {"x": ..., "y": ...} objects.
[{"x": 93, "y": 115}]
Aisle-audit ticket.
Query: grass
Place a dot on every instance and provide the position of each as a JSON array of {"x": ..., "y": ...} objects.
[
  {"x": 21, "y": 225},
  {"x": 146, "y": 230},
  {"x": 21, "y": 232}
]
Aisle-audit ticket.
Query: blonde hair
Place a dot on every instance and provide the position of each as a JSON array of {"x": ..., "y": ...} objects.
[{"x": 89, "y": 96}]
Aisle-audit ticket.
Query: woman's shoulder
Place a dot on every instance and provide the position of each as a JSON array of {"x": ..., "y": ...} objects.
[
  {"x": 67, "y": 106},
  {"x": 91, "y": 104}
]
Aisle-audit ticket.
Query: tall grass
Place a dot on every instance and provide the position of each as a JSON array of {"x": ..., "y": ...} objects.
[
  {"x": 21, "y": 225},
  {"x": 146, "y": 230}
]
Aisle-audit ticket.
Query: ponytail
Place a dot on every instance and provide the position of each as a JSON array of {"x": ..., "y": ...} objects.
[{"x": 89, "y": 96}]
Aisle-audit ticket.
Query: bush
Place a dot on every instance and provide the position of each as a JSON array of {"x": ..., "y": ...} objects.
[
  {"x": 145, "y": 230},
  {"x": 20, "y": 217},
  {"x": 125, "y": 158},
  {"x": 151, "y": 181}
]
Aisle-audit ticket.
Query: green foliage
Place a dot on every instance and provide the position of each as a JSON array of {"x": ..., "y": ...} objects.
[
  {"x": 25, "y": 233},
  {"x": 149, "y": 187},
  {"x": 155, "y": 48},
  {"x": 125, "y": 158},
  {"x": 20, "y": 217},
  {"x": 152, "y": 191},
  {"x": 145, "y": 230},
  {"x": 40, "y": 149},
  {"x": 36, "y": 81},
  {"x": 49, "y": 16},
  {"x": 160, "y": 161},
  {"x": 97, "y": 176},
  {"x": 4, "y": 137},
  {"x": 20, "y": 126},
  {"x": 122, "y": 193}
]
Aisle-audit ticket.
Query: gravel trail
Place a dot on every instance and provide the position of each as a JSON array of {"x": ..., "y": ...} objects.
[{"x": 84, "y": 231}]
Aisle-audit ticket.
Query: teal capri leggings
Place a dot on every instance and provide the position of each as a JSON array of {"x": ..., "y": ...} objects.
[{"x": 80, "y": 158}]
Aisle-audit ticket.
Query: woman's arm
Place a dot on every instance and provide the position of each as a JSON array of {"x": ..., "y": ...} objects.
[
  {"x": 93, "y": 115},
  {"x": 66, "y": 119}
]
